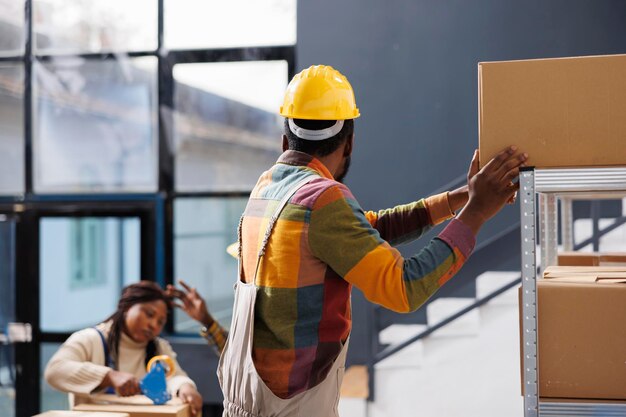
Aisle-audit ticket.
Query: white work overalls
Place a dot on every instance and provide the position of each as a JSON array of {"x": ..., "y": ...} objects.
[{"x": 245, "y": 393}]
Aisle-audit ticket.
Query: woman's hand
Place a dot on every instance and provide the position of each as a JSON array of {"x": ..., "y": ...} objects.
[
  {"x": 192, "y": 303},
  {"x": 191, "y": 396},
  {"x": 125, "y": 384}
]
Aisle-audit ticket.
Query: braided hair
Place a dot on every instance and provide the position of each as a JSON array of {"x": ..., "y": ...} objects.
[{"x": 140, "y": 292}]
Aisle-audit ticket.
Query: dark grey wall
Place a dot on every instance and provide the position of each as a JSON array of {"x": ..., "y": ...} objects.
[{"x": 413, "y": 65}]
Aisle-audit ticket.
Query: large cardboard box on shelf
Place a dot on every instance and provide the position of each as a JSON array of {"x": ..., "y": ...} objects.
[
  {"x": 564, "y": 112},
  {"x": 597, "y": 273},
  {"x": 578, "y": 259},
  {"x": 581, "y": 333},
  {"x": 591, "y": 259}
]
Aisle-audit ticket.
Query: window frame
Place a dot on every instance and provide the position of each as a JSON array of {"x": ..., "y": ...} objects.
[{"x": 154, "y": 209}]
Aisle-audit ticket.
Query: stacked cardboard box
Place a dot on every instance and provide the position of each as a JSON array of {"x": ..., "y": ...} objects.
[
  {"x": 564, "y": 112},
  {"x": 581, "y": 332},
  {"x": 136, "y": 406},
  {"x": 591, "y": 259}
]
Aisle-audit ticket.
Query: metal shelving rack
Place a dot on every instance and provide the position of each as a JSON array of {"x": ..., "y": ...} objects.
[{"x": 550, "y": 185}]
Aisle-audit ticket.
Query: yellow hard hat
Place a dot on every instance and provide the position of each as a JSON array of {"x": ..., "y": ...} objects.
[{"x": 319, "y": 92}]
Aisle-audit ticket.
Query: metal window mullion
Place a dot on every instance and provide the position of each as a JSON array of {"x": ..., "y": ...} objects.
[
  {"x": 529, "y": 294},
  {"x": 28, "y": 100}
]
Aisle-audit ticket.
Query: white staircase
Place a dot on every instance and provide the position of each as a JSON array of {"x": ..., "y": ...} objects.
[{"x": 468, "y": 368}]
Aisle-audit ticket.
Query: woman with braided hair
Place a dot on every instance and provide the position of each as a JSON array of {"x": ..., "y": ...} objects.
[{"x": 112, "y": 356}]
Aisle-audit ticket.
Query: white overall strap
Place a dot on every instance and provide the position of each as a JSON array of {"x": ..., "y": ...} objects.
[{"x": 270, "y": 226}]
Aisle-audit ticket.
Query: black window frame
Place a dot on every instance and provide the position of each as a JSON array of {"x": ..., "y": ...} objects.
[{"x": 154, "y": 209}]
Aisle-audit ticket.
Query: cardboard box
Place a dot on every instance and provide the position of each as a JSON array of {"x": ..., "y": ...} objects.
[
  {"x": 136, "y": 406},
  {"x": 138, "y": 410},
  {"x": 578, "y": 259},
  {"x": 563, "y": 112},
  {"x": 616, "y": 259},
  {"x": 591, "y": 259},
  {"x": 586, "y": 272},
  {"x": 581, "y": 333},
  {"x": 65, "y": 413}
]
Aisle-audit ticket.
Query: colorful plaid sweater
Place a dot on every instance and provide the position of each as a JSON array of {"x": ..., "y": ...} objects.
[{"x": 322, "y": 244}]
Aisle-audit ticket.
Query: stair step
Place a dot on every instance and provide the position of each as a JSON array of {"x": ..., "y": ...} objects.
[
  {"x": 614, "y": 240},
  {"x": 410, "y": 356},
  {"x": 398, "y": 333},
  {"x": 352, "y": 407},
  {"x": 442, "y": 308},
  {"x": 611, "y": 242},
  {"x": 459, "y": 377},
  {"x": 491, "y": 281}
]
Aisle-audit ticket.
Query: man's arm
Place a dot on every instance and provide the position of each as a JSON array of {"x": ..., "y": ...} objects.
[
  {"x": 458, "y": 198},
  {"x": 408, "y": 222},
  {"x": 341, "y": 236}
]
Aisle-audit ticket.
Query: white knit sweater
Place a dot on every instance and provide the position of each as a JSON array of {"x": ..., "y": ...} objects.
[{"x": 78, "y": 367}]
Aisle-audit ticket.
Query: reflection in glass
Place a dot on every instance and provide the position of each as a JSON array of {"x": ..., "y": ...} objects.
[
  {"x": 203, "y": 228},
  {"x": 83, "y": 26},
  {"x": 12, "y": 27},
  {"x": 51, "y": 399},
  {"x": 95, "y": 126},
  {"x": 85, "y": 262},
  {"x": 227, "y": 127},
  {"x": 7, "y": 380},
  {"x": 7, "y": 315},
  {"x": 197, "y": 24},
  {"x": 11, "y": 128}
]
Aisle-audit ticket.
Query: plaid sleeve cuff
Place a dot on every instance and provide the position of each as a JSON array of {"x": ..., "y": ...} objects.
[
  {"x": 458, "y": 235},
  {"x": 439, "y": 209}
]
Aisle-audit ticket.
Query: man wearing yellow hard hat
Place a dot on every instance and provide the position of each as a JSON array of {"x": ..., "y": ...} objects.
[{"x": 304, "y": 241}]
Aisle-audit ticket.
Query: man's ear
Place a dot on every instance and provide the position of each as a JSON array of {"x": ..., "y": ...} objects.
[
  {"x": 347, "y": 149},
  {"x": 285, "y": 143}
]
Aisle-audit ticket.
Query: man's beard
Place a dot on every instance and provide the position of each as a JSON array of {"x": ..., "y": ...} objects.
[{"x": 346, "y": 168}]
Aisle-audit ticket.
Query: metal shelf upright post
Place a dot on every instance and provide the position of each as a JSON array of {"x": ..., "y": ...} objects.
[{"x": 550, "y": 185}]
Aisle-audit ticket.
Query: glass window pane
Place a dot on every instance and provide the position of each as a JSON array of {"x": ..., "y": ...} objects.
[
  {"x": 95, "y": 125},
  {"x": 51, "y": 399},
  {"x": 227, "y": 126},
  {"x": 199, "y": 24},
  {"x": 84, "y": 26},
  {"x": 11, "y": 128},
  {"x": 84, "y": 264},
  {"x": 12, "y": 27},
  {"x": 203, "y": 228},
  {"x": 7, "y": 272}
]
